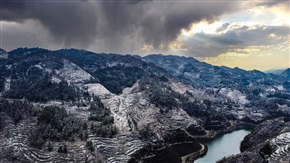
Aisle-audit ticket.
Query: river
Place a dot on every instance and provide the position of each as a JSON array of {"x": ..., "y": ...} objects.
[{"x": 224, "y": 145}]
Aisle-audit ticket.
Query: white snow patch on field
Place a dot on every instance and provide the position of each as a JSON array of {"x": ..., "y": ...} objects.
[
  {"x": 200, "y": 94},
  {"x": 71, "y": 73},
  {"x": 234, "y": 95},
  {"x": 179, "y": 87},
  {"x": 112, "y": 101},
  {"x": 98, "y": 89}
]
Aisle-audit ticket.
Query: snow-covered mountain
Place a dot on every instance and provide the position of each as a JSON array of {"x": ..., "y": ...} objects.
[
  {"x": 130, "y": 108},
  {"x": 286, "y": 74}
]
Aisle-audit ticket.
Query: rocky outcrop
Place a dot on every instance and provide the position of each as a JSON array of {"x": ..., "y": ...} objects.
[
  {"x": 269, "y": 142},
  {"x": 266, "y": 130}
]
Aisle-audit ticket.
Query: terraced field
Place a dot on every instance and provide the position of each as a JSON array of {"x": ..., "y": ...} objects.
[
  {"x": 14, "y": 146},
  {"x": 281, "y": 144}
]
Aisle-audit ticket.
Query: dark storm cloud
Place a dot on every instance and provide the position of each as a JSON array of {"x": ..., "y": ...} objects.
[
  {"x": 114, "y": 26},
  {"x": 154, "y": 23},
  {"x": 212, "y": 45},
  {"x": 68, "y": 21}
]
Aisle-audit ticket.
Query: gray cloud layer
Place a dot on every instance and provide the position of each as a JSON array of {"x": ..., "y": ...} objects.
[
  {"x": 113, "y": 26},
  {"x": 212, "y": 45},
  {"x": 273, "y": 2}
]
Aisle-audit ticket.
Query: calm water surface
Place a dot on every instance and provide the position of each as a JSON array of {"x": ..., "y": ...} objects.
[{"x": 224, "y": 145}]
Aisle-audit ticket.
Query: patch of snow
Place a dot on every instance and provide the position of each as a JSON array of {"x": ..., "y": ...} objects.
[
  {"x": 72, "y": 73},
  {"x": 257, "y": 114},
  {"x": 8, "y": 66},
  {"x": 179, "y": 87},
  {"x": 54, "y": 79},
  {"x": 48, "y": 70},
  {"x": 262, "y": 95},
  {"x": 281, "y": 146},
  {"x": 117, "y": 105},
  {"x": 3, "y": 54},
  {"x": 112, "y": 64},
  {"x": 119, "y": 148},
  {"x": 28, "y": 52},
  {"x": 7, "y": 84},
  {"x": 98, "y": 89},
  {"x": 38, "y": 66},
  {"x": 270, "y": 89},
  {"x": 132, "y": 110},
  {"x": 280, "y": 87},
  {"x": 192, "y": 75},
  {"x": 200, "y": 94},
  {"x": 53, "y": 103},
  {"x": 234, "y": 95},
  {"x": 251, "y": 84}
]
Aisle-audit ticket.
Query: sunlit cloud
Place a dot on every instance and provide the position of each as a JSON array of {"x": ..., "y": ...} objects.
[
  {"x": 254, "y": 57},
  {"x": 216, "y": 41}
]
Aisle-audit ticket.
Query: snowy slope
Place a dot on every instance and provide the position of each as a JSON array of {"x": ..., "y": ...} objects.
[
  {"x": 132, "y": 111},
  {"x": 71, "y": 73}
]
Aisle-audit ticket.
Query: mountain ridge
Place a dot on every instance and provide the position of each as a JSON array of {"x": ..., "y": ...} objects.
[{"x": 163, "y": 55}]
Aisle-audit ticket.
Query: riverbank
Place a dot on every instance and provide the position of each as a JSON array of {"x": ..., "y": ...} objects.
[
  {"x": 193, "y": 156},
  {"x": 213, "y": 134},
  {"x": 223, "y": 146},
  {"x": 266, "y": 143},
  {"x": 191, "y": 148}
]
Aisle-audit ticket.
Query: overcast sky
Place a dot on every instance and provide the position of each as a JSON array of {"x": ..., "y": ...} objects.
[{"x": 246, "y": 34}]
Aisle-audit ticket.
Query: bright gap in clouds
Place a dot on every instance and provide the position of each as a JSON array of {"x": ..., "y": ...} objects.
[{"x": 256, "y": 38}]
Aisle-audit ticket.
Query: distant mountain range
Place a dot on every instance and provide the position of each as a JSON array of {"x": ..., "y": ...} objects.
[
  {"x": 277, "y": 71},
  {"x": 125, "y": 108},
  {"x": 285, "y": 73}
]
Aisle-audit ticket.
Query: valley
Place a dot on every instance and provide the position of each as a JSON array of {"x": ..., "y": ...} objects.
[{"x": 73, "y": 105}]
